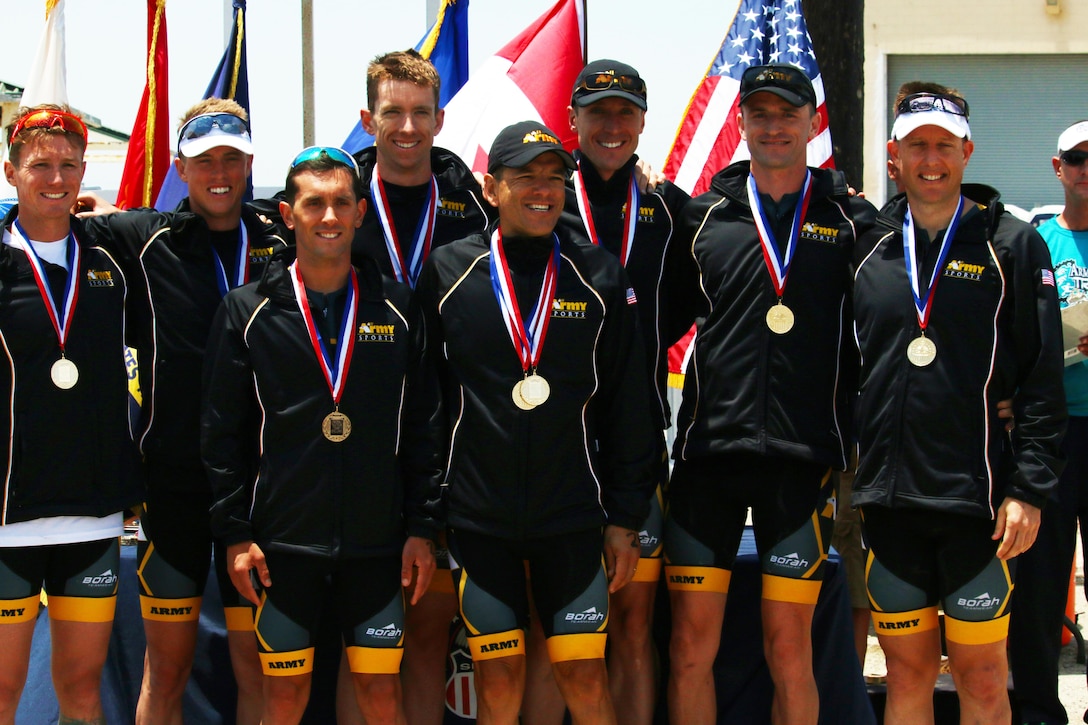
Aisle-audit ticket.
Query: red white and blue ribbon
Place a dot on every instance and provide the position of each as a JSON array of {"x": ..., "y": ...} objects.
[
  {"x": 406, "y": 270},
  {"x": 924, "y": 305},
  {"x": 778, "y": 261},
  {"x": 527, "y": 335},
  {"x": 241, "y": 267},
  {"x": 629, "y": 220},
  {"x": 336, "y": 370},
  {"x": 62, "y": 319}
]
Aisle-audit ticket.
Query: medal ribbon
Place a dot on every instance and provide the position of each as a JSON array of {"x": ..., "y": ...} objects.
[
  {"x": 241, "y": 275},
  {"x": 62, "y": 321},
  {"x": 778, "y": 264},
  {"x": 527, "y": 335},
  {"x": 336, "y": 371},
  {"x": 421, "y": 244},
  {"x": 910, "y": 254},
  {"x": 630, "y": 218}
]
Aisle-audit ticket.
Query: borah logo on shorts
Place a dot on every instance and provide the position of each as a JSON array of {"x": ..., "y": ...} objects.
[
  {"x": 99, "y": 278},
  {"x": 791, "y": 561},
  {"x": 389, "y": 631},
  {"x": 982, "y": 601},
  {"x": 105, "y": 579},
  {"x": 589, "y": 615},
  {"x": 645, "y": 538},
  {"x": 373, "y": 332},
  {"x": 569, "y": 310}
]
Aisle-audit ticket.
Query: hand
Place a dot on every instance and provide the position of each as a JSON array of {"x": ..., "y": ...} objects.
[
  {"x": 418, "y": 554},
  {"x": 89, "y": 204},
  {"x": 1004, "y": 412},
  {"x": 1082, "y": 345},
  {"x": 646, "y": 178},
  {"x": 621, "y": 554},
  {"x": 242, "y": 557},
  {"x": 1017, "y": 526}
]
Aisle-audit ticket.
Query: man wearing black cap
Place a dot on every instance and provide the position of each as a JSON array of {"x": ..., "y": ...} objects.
[
  {"x": 764, "y": 415},
  {"x": 540, "y": 348},
  {"x": 608, "y": 112}
]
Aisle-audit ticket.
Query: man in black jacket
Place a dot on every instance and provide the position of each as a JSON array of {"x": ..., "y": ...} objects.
[
  {"x": 552, "y": 432},
  {"x": 764, "y": 417},
  {"x": 955, "y": 309},
  {"x": 326, "y": 366}
]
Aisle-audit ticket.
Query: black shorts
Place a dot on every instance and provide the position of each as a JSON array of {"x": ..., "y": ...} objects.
[
  {"x": 366, "y": 595},
  {"x": 80, "y": 579},
  {"x": 919, "y": 558},
  {"x": 569, "y": 585},
  {"x": 709, "y": 498}
]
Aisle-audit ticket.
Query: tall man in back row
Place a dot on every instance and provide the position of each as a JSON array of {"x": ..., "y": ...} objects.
[
  {"x": 765, "y": 412},
  {"x": 537, "y": 467}
]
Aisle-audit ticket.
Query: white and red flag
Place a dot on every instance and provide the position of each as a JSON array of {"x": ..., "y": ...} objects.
[
  {"x": 763, "y": 31},
  {"x": 530, "y": 78}
]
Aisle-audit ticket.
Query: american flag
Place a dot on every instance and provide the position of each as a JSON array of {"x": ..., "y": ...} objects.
[{"x": 763, "y": 31}]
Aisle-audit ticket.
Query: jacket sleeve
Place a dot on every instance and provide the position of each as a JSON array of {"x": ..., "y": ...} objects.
[
  {"x": 227, "y": 428},
  {"x": 686, "y": 301},
  {"x": 626, "y": 435},
  {"x": 1040, "y": 396},
  {"x": 424, "y": 444}
]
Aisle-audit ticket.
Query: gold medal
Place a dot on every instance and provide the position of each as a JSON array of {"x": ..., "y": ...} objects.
[
  {"x": 336, "y": 427},
  {"x": 517, "y": 397},
  {"x": 64, "y": 373},
  {"x": 780, "y": 319},
  {"x": 921, "y": 351},
  {"x": 535, "y": 390}
]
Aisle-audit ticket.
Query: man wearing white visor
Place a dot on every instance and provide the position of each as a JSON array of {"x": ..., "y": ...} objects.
[{"x": 955, "y": 309}]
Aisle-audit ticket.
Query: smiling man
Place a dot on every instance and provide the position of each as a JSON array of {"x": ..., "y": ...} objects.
[
  {"x": 955, "y": 309},
  {"x": 186, "y": 261},
  {"x": 553, "y": 439},
  {"x": 764, "y": 416}
]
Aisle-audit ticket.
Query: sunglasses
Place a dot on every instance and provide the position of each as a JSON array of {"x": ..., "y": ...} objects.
[
  {"x": 922, "y": 102},
  {"x": 604, "y": 81},
  {"x": 202, "y": 125},
  {"x": 48, "y": 118},
  {"x": 1074, "y": 158},
  {"x": 334, "y": 153}
]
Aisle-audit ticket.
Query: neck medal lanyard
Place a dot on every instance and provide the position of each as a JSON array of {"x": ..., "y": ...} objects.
[
  {"x": 241, "y": 274},
  {"x": 63, "y": 372},
  {"x": 629, "y": 218},
  {"x": 780, "y": 317},
  {"x": 526, "y": 335},
  {"x": 406, "y": 271},
  {"x": 922, "y": 351},
  {"x": 336, "y": 426}
]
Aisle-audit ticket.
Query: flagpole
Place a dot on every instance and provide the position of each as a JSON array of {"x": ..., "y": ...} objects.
[
  {"x": 432, "y": 12},
  {"x": 307, "y": 73},
  {"x": 585, "y": 31}
]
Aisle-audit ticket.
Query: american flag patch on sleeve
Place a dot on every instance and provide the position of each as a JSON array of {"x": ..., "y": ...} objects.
[
  {"x": 1047, "y": 277},
  {"x": 631, "y": 299}
]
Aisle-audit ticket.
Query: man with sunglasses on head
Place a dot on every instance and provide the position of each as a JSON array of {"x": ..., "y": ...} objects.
[
  {"x": 326, "y": 363},
  {"x": 186, "y": 261},
  {"x": 765, "y": 412},
  {"x": 1043, "y": 571},
  {"x": 955, "y": 309},
  {"x": 72, "y": 467}
]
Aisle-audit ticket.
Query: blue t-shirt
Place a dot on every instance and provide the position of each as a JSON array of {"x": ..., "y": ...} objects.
[{"x": 1068, "y": 252}]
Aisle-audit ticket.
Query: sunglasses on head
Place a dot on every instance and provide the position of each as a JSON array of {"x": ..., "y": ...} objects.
[
  {"x": 1074, "y": 157},
  {"x": 334, "y": 153},
  {"x": 604, "y": 81},
  {"x": 922, "y": 102},
  {"x": 49, "y": 118},
  {"x": 202, "y": 125}
]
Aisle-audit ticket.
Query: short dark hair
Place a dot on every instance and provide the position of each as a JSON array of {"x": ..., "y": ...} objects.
[{"x": 401, "y": 65}]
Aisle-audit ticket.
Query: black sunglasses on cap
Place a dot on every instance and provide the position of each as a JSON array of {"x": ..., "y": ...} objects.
[
  {"x": 604, "y": 81},
  {"x": 922, "y": 102}
]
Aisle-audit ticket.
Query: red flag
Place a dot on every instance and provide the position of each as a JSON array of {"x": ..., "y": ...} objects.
[
  {"x": 530, "y": 78},
  {"x": 763, "y": 31},
  {"x": 149, "y": 147}
]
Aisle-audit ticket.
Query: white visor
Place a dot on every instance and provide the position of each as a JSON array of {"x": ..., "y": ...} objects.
[
  {"x": 216, "y": 137},
  {"x": 907, "y": 122}
]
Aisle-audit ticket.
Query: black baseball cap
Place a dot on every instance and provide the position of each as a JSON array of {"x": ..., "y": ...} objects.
[
  {"x": 517, "y": 145},
  {"x": 608, "y": 79},
  {"x": 785, "y": 81}
]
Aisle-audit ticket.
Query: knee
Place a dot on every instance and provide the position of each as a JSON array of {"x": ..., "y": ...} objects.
[
  {"x": 788, "y": 650},
  {"x": 379, "y": 697},
  {"x": 983, "y": 682},
  {"x": 908, "y": 673},
  {"x": 285, "y": 693},
  {"x": 582, "y": 680}
]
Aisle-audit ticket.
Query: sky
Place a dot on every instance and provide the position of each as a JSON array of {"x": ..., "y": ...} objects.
[{"x": 670, "y": 43}]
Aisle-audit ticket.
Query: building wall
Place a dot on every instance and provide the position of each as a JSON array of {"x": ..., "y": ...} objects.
[{"x": 957, "y": 27}]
